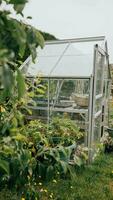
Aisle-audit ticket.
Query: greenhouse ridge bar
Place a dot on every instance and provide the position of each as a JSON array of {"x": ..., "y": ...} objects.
[
  {"x": 75, "y": 40},
  {"x": 77, "y": 78}
]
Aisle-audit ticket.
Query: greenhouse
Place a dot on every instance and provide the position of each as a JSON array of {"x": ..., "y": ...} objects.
[{"x": 75, "y": 76}]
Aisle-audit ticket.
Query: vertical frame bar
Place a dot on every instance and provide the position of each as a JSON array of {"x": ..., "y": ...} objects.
[
  {"x": 90, "y": 117},
  {"x": 48, "y": 110},
  {"x": 93, "y": 94}
]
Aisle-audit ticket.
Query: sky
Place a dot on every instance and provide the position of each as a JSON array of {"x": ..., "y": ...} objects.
[{"x": 73, "y": 18}]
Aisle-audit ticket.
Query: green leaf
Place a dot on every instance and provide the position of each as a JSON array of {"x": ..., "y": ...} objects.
[
  {"x": 30, "y": 171},
  {"x": 71, "y": 171},
  {"x": 40, "y": 39},
  {"x": 4, "y": 165},
  {"x": 20, "y": 84},
  {"x": 49, "y": 172},
  {"x": 7, "y": 150},
  {"x": 5, "y": 127},
  {"x": 22, "y": 50},
  {"x": 63, "y": 154},
  {"x": 64, "y": 166},
  {"x": 77, "y": 160},
  {"x": 41, "y": 91},
  {"x": 41, "y": 169},
  {"x": 8, "y": 82},
  {"x": 18, "y": 34},
  {"x": 29, "y": 17},
  {"x": 14, "y": 122},
  {"x": 19, "y": 7},
  {"x": 20, "y": 137}
]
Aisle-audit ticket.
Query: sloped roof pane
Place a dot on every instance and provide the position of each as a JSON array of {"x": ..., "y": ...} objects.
[
  {"x": 64, "y": 60},
  {"x": 86, "y": 48},
  {"x": 70, "y": 66},
  {"x": 42, "y": 66},
  {"x": 52, "y": 50},
  {"x": 46, "y": 60}
]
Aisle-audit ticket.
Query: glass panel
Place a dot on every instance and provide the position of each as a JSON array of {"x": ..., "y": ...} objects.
[
  {"x": 98, "y": 105},
  {"x": 69, "y": 93},
  {"x": 74, "y": 66},
  {"x": 99, "y": 74},
  {"x": 82, "y": 48},
  {"x": 68, "y": 59},
  {"x": 52, "y": 50},
  {"x": 42, "y": 66},
  {"x": 67, "y": 98},
  {"x": 97, "y": 128}
]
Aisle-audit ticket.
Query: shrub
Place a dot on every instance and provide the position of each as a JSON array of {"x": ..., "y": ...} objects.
[{"x": 66, "y": 130}]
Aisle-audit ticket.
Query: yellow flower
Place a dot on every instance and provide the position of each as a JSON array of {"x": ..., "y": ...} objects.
[
  {"x": 112, "y": 171},
  {"x": 40, "y": 183},
  {"x": 22, "y": 198},
  {"x": 2, "y": 109},
  {"x": 51, "y": 195},
  {"x": 45, "y": 190}
]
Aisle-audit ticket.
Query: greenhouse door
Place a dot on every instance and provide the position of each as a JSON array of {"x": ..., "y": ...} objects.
[{"x": 97, "y": 96}]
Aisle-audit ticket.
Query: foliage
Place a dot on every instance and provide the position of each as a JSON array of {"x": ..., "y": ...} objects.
[
  {"x": 66, "y": 129},
  {"x": 90, "y": 183},
  {"x": 50, "y": 156},
  {"x": 29, "y": 152},
  {"x": 6, "y": 194},
  {"x": 48, "y": 36},
  {"x": 107, "y": 142},
  {"x": 17, "y": 42},
  {"x": 15, "y": 39}
]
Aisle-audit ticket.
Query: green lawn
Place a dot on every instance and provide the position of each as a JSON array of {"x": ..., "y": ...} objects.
[{"x": 94, "y": 182}]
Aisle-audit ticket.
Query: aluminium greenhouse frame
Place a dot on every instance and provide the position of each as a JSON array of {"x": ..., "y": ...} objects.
[{"x": 92, "y": 114}]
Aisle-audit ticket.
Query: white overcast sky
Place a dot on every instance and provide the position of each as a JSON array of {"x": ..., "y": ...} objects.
[{"x": 73, "y": 18}]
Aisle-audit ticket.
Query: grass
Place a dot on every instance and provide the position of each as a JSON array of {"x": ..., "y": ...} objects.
[{"x": 94, "y": 182}]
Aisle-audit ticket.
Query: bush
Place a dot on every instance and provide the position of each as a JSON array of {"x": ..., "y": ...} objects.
[{"x": 65, "y": 130}]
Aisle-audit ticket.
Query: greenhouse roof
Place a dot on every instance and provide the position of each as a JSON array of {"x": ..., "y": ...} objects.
[{"x": 64, "y": 58}]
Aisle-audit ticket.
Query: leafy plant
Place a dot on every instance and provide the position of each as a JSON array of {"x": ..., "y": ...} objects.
[
  {"x": 66, "y": 129},
  {"x": 15, "y": 39},
  {"x": 51, "y": 157},
  {"x": 107, "y": 141}
]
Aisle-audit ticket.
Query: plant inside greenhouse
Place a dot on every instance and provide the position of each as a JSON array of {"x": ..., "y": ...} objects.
[{"x": 56, "y": 130}]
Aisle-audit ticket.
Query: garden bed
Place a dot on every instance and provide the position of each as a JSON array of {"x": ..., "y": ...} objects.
[{"x": 94, "y": 182}]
